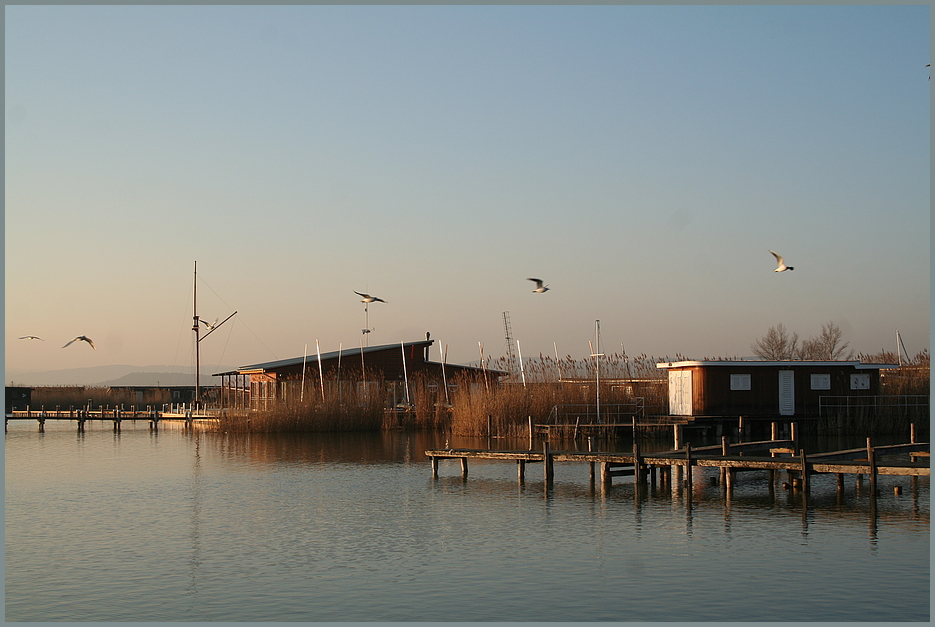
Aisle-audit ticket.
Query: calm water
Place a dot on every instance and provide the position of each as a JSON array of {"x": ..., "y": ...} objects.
[{"x": 176, "y": 526}]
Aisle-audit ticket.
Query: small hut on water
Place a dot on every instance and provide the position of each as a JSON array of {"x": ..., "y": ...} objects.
[{"x": 768, "y": 388}]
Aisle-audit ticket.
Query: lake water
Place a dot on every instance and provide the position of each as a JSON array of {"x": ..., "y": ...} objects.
[{"x": 180, "y": 526}]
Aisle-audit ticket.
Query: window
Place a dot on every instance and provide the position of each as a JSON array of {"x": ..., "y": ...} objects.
[
  {"x": 740, "y": 382},
  {"x": 821, "y": 381},
  {"x": 860, "y": 381}
]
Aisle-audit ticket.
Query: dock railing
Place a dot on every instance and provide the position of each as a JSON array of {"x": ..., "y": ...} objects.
[
  {"x": 612, "y": 413},
  {"x": 894, "y": 405}
]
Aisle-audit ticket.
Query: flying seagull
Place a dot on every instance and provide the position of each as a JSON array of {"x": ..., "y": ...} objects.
[
  {"x": 82, "y": 338},
  {"x": 367, "y": 298},
  {"x": 540, "y": 287},
  {"x": 210, "y": 325},
  {"x": 782, "y": 267},
  {"x": 31, "y": 337}
]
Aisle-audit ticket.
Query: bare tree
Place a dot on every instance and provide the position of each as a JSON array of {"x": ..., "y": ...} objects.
[
  {"x": 828, "y": 345},
  {"x": 777, "y": 344}
]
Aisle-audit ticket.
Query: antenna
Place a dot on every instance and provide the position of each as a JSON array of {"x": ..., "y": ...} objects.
[
  {"x": 597, "y": 366},
  {"x": 196, "y": 329},
  {"x": 899, "y": 344},
  {"x": 510, "y": 355}
]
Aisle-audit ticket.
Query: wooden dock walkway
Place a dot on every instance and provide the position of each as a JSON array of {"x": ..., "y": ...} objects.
[
  {"x": 116, "y": 415},
  {"x": 729, "y": 458}
]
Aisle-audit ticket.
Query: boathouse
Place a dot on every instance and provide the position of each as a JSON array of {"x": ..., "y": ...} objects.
[
  {"x": 767, "y": 388},
  {"x": 17, "y": 397},
  {"x": 388, "y": 366}
]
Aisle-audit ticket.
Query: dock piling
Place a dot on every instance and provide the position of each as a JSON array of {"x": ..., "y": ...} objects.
[
  {"x": 548, "y": 472},
  {"x": 688, "y": 466}
]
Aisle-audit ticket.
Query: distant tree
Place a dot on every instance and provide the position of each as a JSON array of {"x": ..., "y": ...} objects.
[
  {"x": 827, "y": 346},
  {"x": 777, "y": 344}
]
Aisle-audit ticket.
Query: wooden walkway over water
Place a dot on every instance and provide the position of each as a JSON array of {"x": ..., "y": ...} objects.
[
  {"x": 116, "y": 415},
  {"x": 770, "y": 455}
]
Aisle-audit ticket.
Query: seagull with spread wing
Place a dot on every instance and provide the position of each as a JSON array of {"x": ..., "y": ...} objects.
[
  {"x": 782, "y": 267},
  {"x": 367, "y": 298},
  {"x": 540, "y": 286},
  {"x": 81, "y": 338},
  {"x": 31, "y": 337}
]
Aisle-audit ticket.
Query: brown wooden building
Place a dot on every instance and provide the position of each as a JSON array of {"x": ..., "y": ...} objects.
[
  {"x": 388, "y": 366},
  {"x": 766, "y": 388}
]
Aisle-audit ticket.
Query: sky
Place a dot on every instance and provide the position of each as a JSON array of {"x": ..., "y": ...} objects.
[{"x": 641, "y": 160}]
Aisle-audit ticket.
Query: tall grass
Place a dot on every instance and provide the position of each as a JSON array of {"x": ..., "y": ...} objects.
[
  {"x": 507, "y": 408},
  {"x": 354, "y": 410}
]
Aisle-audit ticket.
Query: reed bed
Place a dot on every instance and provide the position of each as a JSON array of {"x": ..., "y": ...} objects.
[
  {"x": 545, "y": 382},
  {"x": 356, "y": 410}
]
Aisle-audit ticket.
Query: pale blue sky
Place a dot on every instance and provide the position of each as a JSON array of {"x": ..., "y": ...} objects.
[{"x": 642, "y": 160}]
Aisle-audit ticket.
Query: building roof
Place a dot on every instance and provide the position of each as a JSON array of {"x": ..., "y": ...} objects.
[
  {"x": 787, "y": 363},
  {"x": 313, "y": 358}
]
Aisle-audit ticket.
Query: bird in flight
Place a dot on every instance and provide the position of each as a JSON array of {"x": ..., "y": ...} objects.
[
  {"x": 540, "y": 286},
  {"x": 210, "y": 325},
  {"x": 367, "y": 298},
  {"x": 782, "y": 267},
  {"x": 82, "y": 338},
  {"x": 31, "y": 337}
]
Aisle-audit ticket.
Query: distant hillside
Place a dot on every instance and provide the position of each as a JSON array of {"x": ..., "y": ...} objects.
[
  {"x": 115, "y": 375},
  {"x": 160, "y": 378}
]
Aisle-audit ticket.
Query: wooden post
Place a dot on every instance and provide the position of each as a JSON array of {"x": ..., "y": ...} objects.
[
  {"x": 773, "y": 431},
  {"x": 605, "y": 474},
  {"x": 489, "y": 426},
  {"x": 804, "y": 471},
  {"x": 591, "y": 449},
  {"x": 840, "y": 482},
  {"x": 639, "y": 473},
  {"x": 740, "y": 428},
  {"x": 725, "y": 450},
  {"x": 912, "y": 433},
  {"x": 688, "y": 466},
  {"x": 677, "y": 444},
  {"x": 873, "y": 468},
  {"x": 464, "y": 467},
  {"x": 530, "y": 433},
  {"x": 434, "y": 467},
  {"x": 795, "y": 436},
  {"x": 547, "y": 462},
  {"x": 575, "y": 434},
  {"x": 521, "y": 470}
]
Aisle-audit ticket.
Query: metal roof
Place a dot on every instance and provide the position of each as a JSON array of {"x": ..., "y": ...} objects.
[
  {"x": 727, "y": 362},
  {"x": 313, "y": 358}
]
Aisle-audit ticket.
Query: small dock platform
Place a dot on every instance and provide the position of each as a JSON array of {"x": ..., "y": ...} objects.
[{"x": 729, "y": 458}]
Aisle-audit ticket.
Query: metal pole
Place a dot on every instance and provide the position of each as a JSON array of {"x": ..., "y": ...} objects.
[
  {"x": 197, "y": 341},
  {"x": 321, "y": 374},
  {"x": 522, "y": 368}
]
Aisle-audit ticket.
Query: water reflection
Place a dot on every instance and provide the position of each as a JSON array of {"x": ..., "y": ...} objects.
[
  {"x": 194, "y": 562},
  {"x": 344, "y": 526}
]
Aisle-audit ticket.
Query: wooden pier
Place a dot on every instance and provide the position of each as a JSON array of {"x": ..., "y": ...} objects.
[
  {"x": 116, "y": 415},
  {"x": 729, "y": 458}
]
